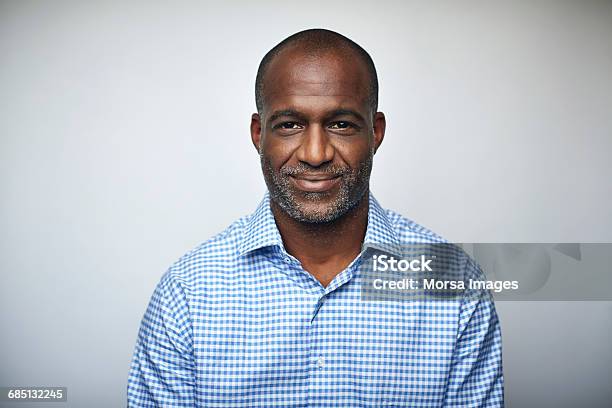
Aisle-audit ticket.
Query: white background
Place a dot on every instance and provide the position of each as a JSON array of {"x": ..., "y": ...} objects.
[{"x": 124, "y": 143}]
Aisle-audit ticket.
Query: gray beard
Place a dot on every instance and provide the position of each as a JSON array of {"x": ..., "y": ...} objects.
[{"x": 354, "y": 185}]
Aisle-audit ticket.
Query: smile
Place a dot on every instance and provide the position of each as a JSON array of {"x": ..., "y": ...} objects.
[{"x": 315, "y": 183}]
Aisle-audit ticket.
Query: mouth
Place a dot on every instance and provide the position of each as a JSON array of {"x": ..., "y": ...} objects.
[{"x": 315, "y": 183}]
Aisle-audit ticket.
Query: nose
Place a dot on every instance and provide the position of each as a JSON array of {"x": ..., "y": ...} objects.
[{"x": 316, "y": 148}]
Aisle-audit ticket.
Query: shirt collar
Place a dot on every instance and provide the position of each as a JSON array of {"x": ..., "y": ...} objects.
[{"x": 261, "y": 230}]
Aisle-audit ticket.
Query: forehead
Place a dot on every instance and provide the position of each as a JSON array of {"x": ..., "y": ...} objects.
[{"x": 324, "y": 79}]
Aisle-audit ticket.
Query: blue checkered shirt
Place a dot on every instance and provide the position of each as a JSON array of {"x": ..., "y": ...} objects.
[{"x": 237, "y": 322}]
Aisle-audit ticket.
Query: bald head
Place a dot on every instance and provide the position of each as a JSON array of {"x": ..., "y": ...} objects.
[{"x": 317, "y": 44}]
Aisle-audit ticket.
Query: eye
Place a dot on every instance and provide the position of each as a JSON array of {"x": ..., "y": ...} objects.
[
  {"x": 342, "y": 124},
  {"x": 287, "y": 126}
]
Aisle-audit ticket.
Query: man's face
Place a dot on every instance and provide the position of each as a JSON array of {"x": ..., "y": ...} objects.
[{"x": 316, "y": 135}]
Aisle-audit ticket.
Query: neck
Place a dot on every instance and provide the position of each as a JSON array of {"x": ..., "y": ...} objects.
[{"x": 324, "y": 249}]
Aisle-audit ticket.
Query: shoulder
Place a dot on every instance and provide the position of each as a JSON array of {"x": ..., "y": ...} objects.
[
  {"x": 216, "y": 255},
  {"x": 408, "y": 230}
]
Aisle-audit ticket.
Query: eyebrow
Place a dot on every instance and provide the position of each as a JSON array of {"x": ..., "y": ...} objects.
[
  {"x": 348, "y": 112},
  {"x": 295, "y": 114},
  {"x": 286, "y": 112}
]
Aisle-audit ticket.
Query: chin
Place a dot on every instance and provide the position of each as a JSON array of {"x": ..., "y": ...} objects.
[{"x": 317, "y": 213}]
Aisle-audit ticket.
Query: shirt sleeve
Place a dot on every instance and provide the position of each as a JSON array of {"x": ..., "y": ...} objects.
[
  {"x": 476, "y": 377},
  {"x": 162, "y": 370}
]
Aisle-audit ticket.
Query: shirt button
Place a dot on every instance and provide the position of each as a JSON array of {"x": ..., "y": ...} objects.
[{"x": 321, "y": 362}]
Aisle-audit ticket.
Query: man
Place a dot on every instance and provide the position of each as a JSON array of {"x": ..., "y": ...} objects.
[{"x": 270, "y": 312}]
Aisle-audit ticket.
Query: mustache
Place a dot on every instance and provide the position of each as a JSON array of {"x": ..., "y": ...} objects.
[{"x": 303, "y": 168}]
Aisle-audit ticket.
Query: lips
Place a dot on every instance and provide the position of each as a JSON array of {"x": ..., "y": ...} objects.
[{"x": 315, "y": 182}]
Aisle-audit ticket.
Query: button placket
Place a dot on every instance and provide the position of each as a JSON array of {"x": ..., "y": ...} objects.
[
  {"x": 315, "y": 353},
  {"x": 321, "y": 362}
]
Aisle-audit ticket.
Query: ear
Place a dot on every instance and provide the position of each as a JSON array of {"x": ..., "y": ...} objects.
[
  {"x": 256, "y": 131},
  {"x": 380, "y": 123}
]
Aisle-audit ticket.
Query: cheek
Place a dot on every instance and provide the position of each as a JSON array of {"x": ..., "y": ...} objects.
[
  {"x": 278, "y": 153},
  {"x": 354, "y": 152}
]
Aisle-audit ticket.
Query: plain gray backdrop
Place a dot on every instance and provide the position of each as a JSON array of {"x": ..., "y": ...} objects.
[{"x": 125, "y": 143}]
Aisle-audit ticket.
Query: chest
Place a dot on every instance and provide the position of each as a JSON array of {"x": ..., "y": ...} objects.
[{"x": 291, "y": 344}]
